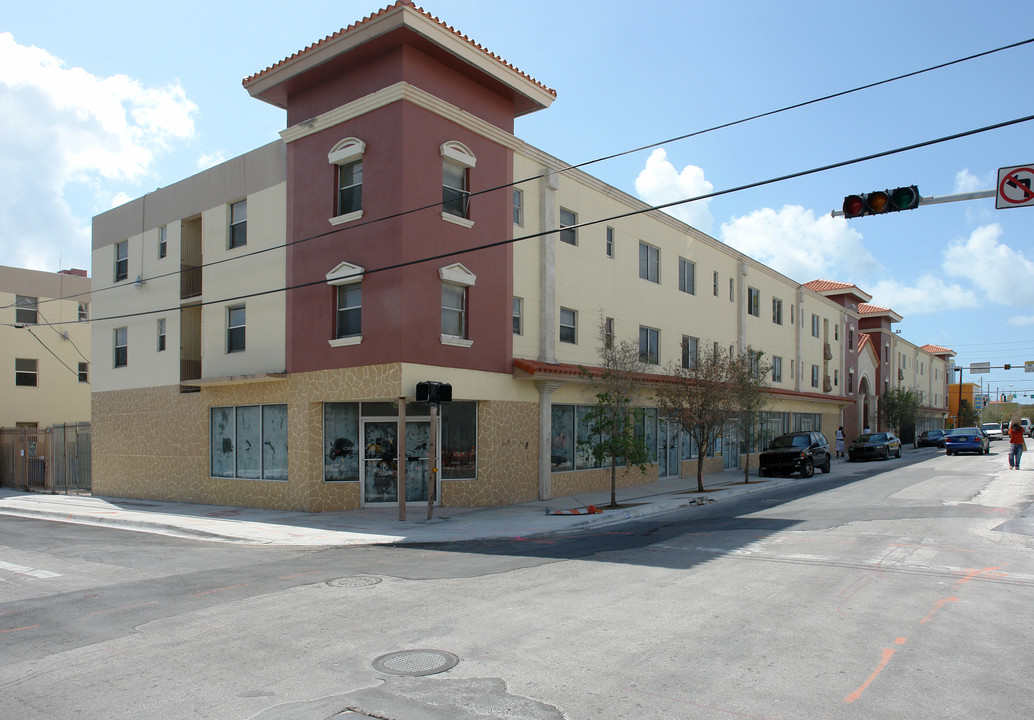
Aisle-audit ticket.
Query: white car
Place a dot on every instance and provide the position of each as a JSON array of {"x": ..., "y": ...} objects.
[{"x": 993, "y": 431}]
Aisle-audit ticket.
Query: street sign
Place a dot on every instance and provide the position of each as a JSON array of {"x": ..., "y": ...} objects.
[
  {"x": 1015, "y": 187},
  {"x": 1028, "y": 366},
  {"x": 982, "y": 367}
]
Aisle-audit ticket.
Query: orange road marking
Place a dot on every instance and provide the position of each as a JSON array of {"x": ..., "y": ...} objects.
[
  {"x": 27, "y": 627},
  {"x": 887, "y": 655},
  {"x": 991, "y": 572},
  {"x": 937, "y": 606},
  {"x": 289, "y": 577}
]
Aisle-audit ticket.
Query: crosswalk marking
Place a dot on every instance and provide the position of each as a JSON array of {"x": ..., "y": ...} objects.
[{"x": 31, "y": 572}]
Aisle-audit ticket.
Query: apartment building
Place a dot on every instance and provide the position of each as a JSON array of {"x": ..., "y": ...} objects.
[
  {"x": 45, "y": 347},
  {"x": 267, "y": 321}
]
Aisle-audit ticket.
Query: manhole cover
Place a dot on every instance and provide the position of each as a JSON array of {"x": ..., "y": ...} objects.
[
  {"x": 354, "y": 581},
  {"x": 414, "y": 663}
]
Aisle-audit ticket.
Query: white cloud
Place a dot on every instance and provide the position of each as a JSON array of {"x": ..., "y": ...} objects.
[
  {"x": 208, "y": 160},
  {"x": 62, "y": 126},
  {"x": 929, "y": 294},
  {"x": 1004, "y": 275},
  {"x": 1021, "y": 320},
  {"x": 801, "y": 246},
  {"x": 660, "y": 183},
  {"x": 966, "y": 182}
]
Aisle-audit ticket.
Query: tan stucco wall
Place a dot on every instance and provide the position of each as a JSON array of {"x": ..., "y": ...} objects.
[{"x": 153, "y": 443}]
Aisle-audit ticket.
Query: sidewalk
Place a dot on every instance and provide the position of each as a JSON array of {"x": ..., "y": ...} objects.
[{"x": 380, "y": 525}]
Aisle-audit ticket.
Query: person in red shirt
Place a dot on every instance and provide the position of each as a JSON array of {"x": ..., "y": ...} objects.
[{"x": 1016, "y": 445}]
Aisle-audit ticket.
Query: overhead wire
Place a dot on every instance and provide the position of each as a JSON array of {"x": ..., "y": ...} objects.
[
  {"x": 678, "y": 138},
  {"x": 589, "y": 223}
]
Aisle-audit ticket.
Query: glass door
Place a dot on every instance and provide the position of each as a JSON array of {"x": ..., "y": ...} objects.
[{"x": 380, "y": 461}]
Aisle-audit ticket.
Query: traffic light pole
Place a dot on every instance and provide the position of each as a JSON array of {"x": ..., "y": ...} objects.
[{"x": 958, "y": 197}]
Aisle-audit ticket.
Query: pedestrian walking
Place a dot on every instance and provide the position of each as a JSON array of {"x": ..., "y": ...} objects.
[
  {"x": 1016, "y": 445},
  {"x": 840, "y": 441}
]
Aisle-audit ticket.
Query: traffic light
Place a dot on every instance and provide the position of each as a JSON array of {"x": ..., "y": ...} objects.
[
  {"x": 433, "y": 392},
  {"x": 881, "y": 201},
  {"x": 1008, "y": 366}
]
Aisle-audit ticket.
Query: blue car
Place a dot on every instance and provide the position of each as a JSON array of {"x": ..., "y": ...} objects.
[{"x": 967, "y": 439}]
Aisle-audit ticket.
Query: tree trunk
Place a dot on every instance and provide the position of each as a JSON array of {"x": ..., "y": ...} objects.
[
  {"x": 700, "y": 468},
  {"x": 613, "y": 482}
]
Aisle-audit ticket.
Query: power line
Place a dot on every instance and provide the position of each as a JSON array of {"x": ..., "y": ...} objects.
[
  {"x": 678, "y": 138},
  {"x": 589, "y": 223},
  {"x": 74, "y": 372}
]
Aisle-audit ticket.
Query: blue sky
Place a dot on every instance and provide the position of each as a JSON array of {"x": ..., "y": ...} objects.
[{"x": 114, "y": 99}]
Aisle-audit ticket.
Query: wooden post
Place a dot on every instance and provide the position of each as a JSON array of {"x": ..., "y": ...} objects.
[
  {"x": 400, "y": 465},
  {"x": 432, "y": 460}
]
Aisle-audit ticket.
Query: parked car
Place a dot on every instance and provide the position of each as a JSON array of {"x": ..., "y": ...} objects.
[
  {"x": 799, "y": 452},
  {"x": 931, "y": 438},
  {"x": 993, "y": 430},
  {"x": 966, "y": 439},
  {"x": 874, "y": 445}
]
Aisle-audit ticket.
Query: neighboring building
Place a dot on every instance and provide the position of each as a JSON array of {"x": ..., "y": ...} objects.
[
  {"x": 265, "y": 317},
  {"x": 957, "y": 394},
  {"x": 45, "y": 347}
]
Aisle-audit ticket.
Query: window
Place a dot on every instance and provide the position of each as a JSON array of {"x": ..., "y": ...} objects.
[
  {"x": 836, "y": 378},
  {"x": 347, "y": 155},
  {"x": 161, "y": 334},
  {"x": 26, "y": 310},
  {"x": 716, "y": 283},
  {"x": 456, "y": 281},
  {"x": 163, "y": 245},
  {"x": 349, "y": 317},
  {"x": 235, "y": 328},
  {"x": 836, "y": 332},
  {"x": 777, "y": 311},
  {"x": 239, "y": 224},
  {"x": 732, "y": 291},
  {"x": 791, "y": 314},
  {"x": 459, "y": 440},
  {"x": 777, "y": 369},
  {"x": 850, "y": 381},
  {"x": 568, "y": 233},
  {"x": 791, "y": 370},
  {"x": 649, "y": 341},
  {"x": 84, "y": 312},
  {"x": 350, "y": 187},
  {"x": 814, "y": 325},
  {"x": 518, "y": 207},
  {"x": 121, "y": 347},
  {"x": 754, "y": 301},
  {"x": 26, "y": 372},
  {"x": 121, "y": 260},
  {"x": 649, "y": 262},
  {"x": 610, "y": 242},
  {"x": 608, "y": 332},
  {"x": 454, "y": 310},
  {"x": 568, "y": 326},
  {"x": 687, "y": 276},
  {"x": 850, "y": 339},
  {"x": 814, "y": 376},
  {"x": 84, "y": 372},
  {"x": 518, "y": 316},
  {"x": 457, "y": 161},
  {"x": 690, "y": 351},
  {"x": 249, "y": 442}
]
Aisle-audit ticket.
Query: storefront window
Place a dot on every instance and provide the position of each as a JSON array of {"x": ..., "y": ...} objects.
[
  {"x": 459, "y": 440},
  {"x": 561, "y": 452},
  {"x": 340, "y": 442}
]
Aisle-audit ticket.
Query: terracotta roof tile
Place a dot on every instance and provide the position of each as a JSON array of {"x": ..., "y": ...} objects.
[
  {"x": 870, "y": 309},
  {"x": 396, "y": 5},
  {"x": 937, "y": 350},
  {"x": 826, "y": 285}
]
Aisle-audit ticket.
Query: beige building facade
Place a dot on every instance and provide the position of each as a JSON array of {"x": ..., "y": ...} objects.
[
  {"x": 45, "y": 347},
  {"x": 266, "y": 322}
]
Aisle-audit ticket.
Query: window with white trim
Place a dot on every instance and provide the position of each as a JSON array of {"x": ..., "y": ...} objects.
[
  {"x": 26, "y": 310},
  {"x": 649, "y": 262},
  {"x": 690, "y": 351},
  {"x": 161, "y": 334},
  {"x": 777, "y": 311},
  {"x": 457, "y": 162},
  {"x": 568, "y": 326},
  {"x": 238, "y": 224},
  {"x": 518, "y": 207},
  {"x": 249, "y": 442},
  {"x": 84, "y": 372},
  {"x": 236, "y": 328},
  {"x": 518, "y": 316},
  {"x": 649, "y": 345},
  {"x": 610, "y": 242},
  {"x": 163, "y": 242},
  {"x": 777, "y": 369},
  {"x": 346, "y": 279},
  {"x": 568, "y": 233},
  {"x": 754, "y": 301},
  {"x": 121, "y": 347},
  {"x": 687, "y": 276},
  {"x": 121, "y": 260},
  {"x": 456, "y": 283},
  {"x": 347, "y": 156},
  {"x": 26, "y": 372}
]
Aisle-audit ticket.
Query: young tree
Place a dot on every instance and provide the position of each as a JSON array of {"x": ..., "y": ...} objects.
[
  {"x": 750, "y": 374},
  {"x": 702, "y": 398},
  {"x": 899, "y": 408},
  {"x": 613, "y": 418},
  {"x": 967, "y": 415}
]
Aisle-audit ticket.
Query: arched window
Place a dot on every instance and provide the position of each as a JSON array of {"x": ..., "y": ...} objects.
[
  {"x": 347, "y": 155},
  {"x": 457, "y": 161}
]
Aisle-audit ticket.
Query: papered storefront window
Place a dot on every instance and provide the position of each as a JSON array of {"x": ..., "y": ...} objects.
[
  {"x": 570, "y": 427},
  {"x": 459, "y": 440},
  {"x": 561, "y": 453},
  {"x": 249, "y": 442},
  {"x": 341, "y": 441}
]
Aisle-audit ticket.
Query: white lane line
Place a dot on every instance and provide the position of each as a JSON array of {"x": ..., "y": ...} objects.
[{"x": 31, "y": 572}]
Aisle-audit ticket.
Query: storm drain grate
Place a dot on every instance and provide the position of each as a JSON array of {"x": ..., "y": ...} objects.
[
  {"x": 354, "y": 581},
  {"x": 414, "y": 663}
]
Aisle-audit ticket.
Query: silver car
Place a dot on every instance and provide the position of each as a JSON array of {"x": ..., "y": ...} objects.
[{"x": 993, "y": 430}]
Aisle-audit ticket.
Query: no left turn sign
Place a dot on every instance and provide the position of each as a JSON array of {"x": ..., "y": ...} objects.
[{"x": 1015, "y": 187}]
